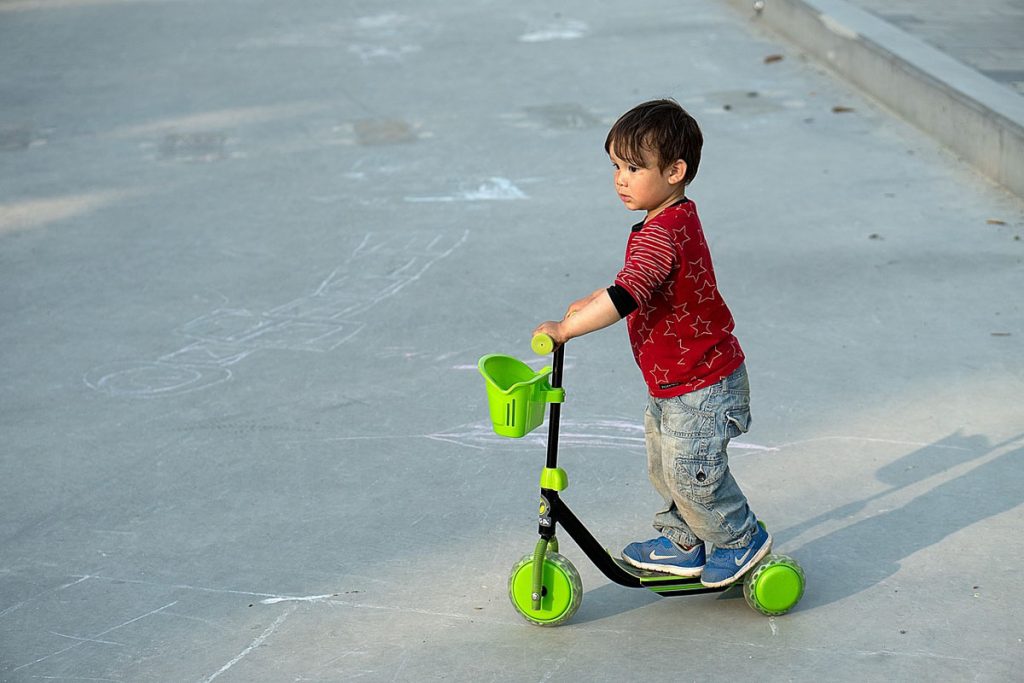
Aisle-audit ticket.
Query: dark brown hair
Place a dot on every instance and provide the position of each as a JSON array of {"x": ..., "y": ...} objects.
[{"x": 662, "y": 127}]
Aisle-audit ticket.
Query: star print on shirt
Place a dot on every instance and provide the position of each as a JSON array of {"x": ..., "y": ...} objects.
[
  {"x": 697, "y": 270},
  {"x": 645, "y": 330},
  {"x": 701, "y": 327},
  {"x": 705, "y": 293},
  {"x": 710, "y": 360},
  {"x": 681, "y": 332},
  {"x": 672, "y": 322},
  {"x": 660, "y": 376}
]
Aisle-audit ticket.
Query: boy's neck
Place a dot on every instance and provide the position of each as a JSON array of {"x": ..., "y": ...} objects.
[{"x": 679, "y": 199}]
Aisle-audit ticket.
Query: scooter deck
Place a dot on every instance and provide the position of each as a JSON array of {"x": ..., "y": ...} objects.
[{"x": 665, "y": 584}]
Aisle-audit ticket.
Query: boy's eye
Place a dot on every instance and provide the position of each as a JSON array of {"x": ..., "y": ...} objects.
[{"x": 633, "y": 169}]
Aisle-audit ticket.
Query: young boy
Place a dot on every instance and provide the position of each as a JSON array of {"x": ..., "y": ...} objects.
[{"x": 681, "y": 333}]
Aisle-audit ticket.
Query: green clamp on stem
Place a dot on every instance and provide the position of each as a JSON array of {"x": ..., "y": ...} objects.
[{"x": 554, "y": 479}]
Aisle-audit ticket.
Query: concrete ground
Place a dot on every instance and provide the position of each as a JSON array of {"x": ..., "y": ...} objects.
[{"x": 252, "y": 251}]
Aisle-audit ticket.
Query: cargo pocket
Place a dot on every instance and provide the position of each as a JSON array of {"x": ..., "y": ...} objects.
[
  {"x": 737, "y": 421},
  {"x": 700, "y": 477}
]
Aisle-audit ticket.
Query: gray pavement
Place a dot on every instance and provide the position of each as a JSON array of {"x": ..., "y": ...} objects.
[{"x": 250, "y": 255}]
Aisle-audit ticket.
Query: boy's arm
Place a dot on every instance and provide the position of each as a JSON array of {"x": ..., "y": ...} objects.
[
  {"x": 577, "y": 305},
  {"x": 599, "y": 312}
]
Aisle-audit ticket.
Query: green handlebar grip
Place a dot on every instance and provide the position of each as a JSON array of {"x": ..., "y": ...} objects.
[{"x": 542, "y": 344}]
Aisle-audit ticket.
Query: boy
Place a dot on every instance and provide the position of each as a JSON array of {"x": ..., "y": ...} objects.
[{"x": 681, "y": 333}]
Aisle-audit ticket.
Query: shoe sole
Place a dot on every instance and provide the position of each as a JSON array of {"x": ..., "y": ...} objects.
[
  {"x": 685, "y": 572},
  {"x": 758, "y": 556}
]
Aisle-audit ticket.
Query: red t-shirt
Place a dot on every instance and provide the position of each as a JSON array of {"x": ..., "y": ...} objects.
[{"x": 681, "y": 331}]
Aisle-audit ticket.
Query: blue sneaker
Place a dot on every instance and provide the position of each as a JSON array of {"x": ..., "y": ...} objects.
[
  {"x": 726, "y": 565},
  {"x": 662, "y": 555}
]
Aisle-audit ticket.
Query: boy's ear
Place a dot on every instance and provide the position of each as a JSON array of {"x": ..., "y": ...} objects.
[{"x": 677, "y": 171}]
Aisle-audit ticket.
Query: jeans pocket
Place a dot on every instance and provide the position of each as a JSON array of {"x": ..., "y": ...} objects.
[
  {"x": 737, "y": 421},
  {"x": 700, "y": 477},
  {"x": 681, "y": 420}
]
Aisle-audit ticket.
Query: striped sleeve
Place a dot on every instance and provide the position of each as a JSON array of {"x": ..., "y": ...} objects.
[{"x": 649, "y": 260}]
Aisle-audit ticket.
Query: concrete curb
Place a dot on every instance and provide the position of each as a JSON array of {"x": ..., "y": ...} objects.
[{"x": 977, "y": 118}]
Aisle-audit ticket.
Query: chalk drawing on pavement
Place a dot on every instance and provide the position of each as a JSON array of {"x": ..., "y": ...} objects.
[
  {"x": 320, "y": 321},
  {"x": 494, "y": 189}
]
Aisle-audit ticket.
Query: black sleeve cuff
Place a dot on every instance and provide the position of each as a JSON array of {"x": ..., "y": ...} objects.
[{"x": 623, "y": 300}]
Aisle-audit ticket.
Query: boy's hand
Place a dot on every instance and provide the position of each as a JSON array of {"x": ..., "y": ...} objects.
[{"x": 552, "y": 329}]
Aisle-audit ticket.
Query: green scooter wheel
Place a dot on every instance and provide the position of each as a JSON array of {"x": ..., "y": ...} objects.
[
  {"x": 774, "y": 586},
  {"x": 561, "y": 594}
]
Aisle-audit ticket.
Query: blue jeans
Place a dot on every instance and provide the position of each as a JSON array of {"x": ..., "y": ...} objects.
[{"x": 687, "y": 462}]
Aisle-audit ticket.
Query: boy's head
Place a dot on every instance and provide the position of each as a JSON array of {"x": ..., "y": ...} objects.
[{"x": 664, "y": 129}]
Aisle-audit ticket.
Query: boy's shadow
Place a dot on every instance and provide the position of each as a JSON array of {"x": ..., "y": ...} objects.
[{"x": 857, "y": 557}]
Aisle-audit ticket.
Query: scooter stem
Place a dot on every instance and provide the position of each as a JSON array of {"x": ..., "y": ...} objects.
[{"x": 556, "y": 409}]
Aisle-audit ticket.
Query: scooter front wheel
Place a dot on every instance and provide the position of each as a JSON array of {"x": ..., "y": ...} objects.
[{"x": 561, "y": 591}]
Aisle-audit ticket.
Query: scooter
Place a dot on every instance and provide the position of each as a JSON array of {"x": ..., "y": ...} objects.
[{"x": 544, "y": 586}]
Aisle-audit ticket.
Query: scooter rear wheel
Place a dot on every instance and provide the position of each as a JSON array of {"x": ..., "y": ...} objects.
[
  {"x": 561, "y": 593},
  {"x": 774, "y": 586}
]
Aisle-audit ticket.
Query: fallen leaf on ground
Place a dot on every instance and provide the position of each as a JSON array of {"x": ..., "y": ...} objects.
[
  {"x": 995, "y": 221},
  {"x": 770, "y": 59},
  {"x": 842, "y": 110}
]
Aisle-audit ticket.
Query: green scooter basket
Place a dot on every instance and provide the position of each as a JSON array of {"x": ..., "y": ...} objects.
[{"x": 517, "y": 395}]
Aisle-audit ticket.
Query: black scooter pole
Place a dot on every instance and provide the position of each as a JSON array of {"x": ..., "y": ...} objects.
[{"x": 556, "y": 409}]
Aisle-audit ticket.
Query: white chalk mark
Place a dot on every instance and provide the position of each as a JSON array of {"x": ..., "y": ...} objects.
[
  {"x": 369, "y": 54},
  {"x": 401, "y": 665},
  {"x": 318, "y": 322},
  {"x": 535, "y": 363},
  {"x": 773, "y": 626},
  {"x": 307, "y": 598},
  {"x": 744, "y": 446},
  {"x": 183, "y": 586},
  {"x": 609, "y": 434},
  {"x": 199, "y": 619},
  {"x": 550, "y": 673},
  {"x": 893, "y": 442},
  {"x": 495, "y": 189},
  {"x": 76, "y": 678},
  {"x": 475, "y": 617},
  {"x": 85, "y": 640},
  {"x": 253, "y": 645},
  {"x": 226, "y": 591},
  {"x": 98, "y": 635},
  {"x": 566, "y": 30},
  {"x": 21, "y": 604}
]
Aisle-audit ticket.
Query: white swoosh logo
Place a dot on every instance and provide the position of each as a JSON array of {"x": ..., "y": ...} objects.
[
  {"x": 740, "y": 560},
  {"x": 655, "y": 556}
]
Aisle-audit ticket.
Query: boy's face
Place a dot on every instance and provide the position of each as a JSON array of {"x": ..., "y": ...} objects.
[{"x": 648, "y": 188}]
